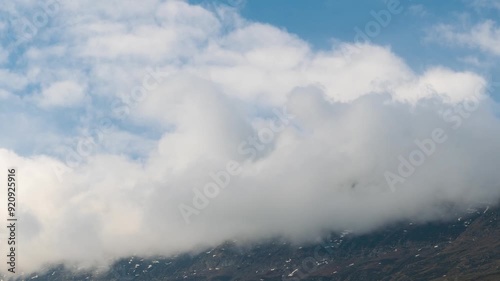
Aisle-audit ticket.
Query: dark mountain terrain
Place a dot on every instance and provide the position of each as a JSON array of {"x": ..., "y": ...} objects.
[{"x": 467, "y": 248}]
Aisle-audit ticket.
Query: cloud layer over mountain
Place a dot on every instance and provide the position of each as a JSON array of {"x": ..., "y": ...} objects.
[{"x": 166, "y": 127}]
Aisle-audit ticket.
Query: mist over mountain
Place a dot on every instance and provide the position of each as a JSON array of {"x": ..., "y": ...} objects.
[{"x": 465, "y": 248}]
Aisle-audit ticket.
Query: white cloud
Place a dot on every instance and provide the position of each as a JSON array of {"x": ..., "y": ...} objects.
[
  {"x": 484, "y": 36},
  {"x": 61, "y": 94},
  {"x": 12, "y": 81},
  {"x": 486, "y": 4},
  {"x": 471, "y": 60},
  {"x": 5, "y": 95},
  {"x": 174, "y": 30}
]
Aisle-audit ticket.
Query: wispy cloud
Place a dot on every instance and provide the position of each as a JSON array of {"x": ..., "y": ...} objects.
[
  {"x": 484, "y": 36},
  {"x": 486, "y": 4}
]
